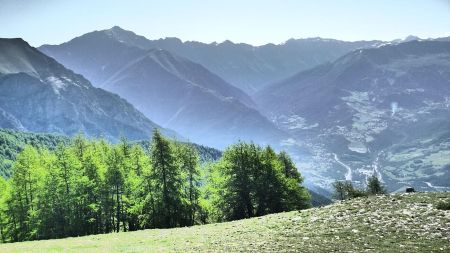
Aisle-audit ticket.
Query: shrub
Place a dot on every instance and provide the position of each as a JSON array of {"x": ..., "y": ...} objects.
[{"x": 443, "y": 205}]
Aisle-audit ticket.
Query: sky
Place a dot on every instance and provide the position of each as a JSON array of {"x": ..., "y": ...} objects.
[{"x": 255, "y": 22}]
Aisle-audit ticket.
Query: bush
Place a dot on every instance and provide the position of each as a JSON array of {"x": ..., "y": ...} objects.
[
  {"x": 346, "y": 190},
  {"x": 374, "y": 186},
  {"x": 443, "y": 205}
]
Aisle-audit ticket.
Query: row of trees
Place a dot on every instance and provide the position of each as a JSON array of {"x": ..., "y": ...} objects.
[
  {"x": 92, "y": 186},
  {"x": 345, "y": 189}
]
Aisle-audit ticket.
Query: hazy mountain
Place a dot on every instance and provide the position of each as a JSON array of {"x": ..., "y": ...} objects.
[
  {"x": 171, "y": 90},
  {"x": 383, "y": 110},
  {"x": 39, "y": 94},
  {"x": 249, "y": 67}
]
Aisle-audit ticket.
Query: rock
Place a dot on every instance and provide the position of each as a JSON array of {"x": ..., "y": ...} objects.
[{"x": 410, "y": 189}]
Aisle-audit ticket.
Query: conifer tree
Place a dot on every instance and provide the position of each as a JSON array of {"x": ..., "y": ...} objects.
[
  {"x": 374, "y": 186},
  {"x": 115, "y": 181},
  {"x": 25, "y": 182},
  {"x": 188, "y": 160},
  {"x": 166, "y": 178},
  {"x": 92, "y": 186}
]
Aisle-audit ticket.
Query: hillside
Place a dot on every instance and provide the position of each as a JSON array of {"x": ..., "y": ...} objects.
[
  {"x": 39, "y": 94},
  {"x": 12, "y": 142},
  {"x": 392, "y": 223},
  {"x": 382, "y": 110}
]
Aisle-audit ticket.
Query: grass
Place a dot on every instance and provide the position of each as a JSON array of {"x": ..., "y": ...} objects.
[{"x": 391, "y": 223}]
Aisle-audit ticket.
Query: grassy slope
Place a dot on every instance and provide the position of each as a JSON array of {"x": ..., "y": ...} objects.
[{"x": 395, "y": 223}]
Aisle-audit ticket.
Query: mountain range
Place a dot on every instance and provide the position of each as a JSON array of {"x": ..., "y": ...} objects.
[
  {"x": 38, "y": 94},
  {"x": 171, "y": 90},
  {"x": 383, "y": 110},
  {"x": 245, "y": 66},
  {"x": 343, "y": 110}
]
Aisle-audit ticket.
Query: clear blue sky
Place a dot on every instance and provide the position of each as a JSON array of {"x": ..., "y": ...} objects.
[{"x": 251, "y": 21}]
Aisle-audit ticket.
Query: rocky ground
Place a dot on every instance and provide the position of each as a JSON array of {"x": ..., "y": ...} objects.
[{"x": 389, "y": 223}]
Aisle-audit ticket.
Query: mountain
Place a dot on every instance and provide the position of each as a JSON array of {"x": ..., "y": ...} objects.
[
  {"x": 382, "y": 110},
  {"x": 249, "y": 67},
  {"x": 171, "y": 90},
  {"x": 38, "y": 94}
]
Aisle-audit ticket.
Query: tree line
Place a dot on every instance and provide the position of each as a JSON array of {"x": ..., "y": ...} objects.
[
  {"x": 92, "y": 186},
  {"x": 345, "y": 190}
]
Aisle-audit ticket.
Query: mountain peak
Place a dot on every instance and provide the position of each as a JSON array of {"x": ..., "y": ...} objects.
[
  {"x": 118, "y": 31},
  {"x": 116, "y": 28},
  {"x": 14, "y": 41},
  {"x": 411, "y": 38},
  {"x": 39, "y": 94}
]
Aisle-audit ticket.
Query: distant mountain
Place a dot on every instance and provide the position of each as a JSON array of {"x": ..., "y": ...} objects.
[
  {"x": 171, "y": 90},
  {"x": 249, "y": 67},
  {"x": 319, "y": 200},
  {"x": 382, "y": 110},
  {"x": 39, "y": 94}
]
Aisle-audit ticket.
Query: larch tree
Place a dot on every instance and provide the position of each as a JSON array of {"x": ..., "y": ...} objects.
[{"x": 167, "y": 183}]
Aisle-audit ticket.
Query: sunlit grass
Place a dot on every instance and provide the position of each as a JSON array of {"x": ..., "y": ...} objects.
[{"x": 392, "y": 223}]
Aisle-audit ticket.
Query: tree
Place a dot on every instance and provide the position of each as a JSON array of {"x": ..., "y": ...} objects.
[
  {"x": 115, "y": 181},
  {"x": 187, "y": 160},
  {"x": 341, "y": 189},
  {"x": 89, "y": 190},
  {"x": 345, "y": 190},
  {"x": 92, "y": 186},
  {"x": 4, "y": 196},
  {"x": 138, "y": 166},
  {"x": 256, "y": 182},
  {"x": 295, "y": 195},
  {"x": 289, "y": 168},
  {"x": 374, "y": 186},
  {"x": 236, "y": 166},
  {"x": 166, "y": 184},
  {"x": 25, "y": 184}
]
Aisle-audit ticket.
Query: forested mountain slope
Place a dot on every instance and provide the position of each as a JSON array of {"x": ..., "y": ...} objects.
[{"x": 12, "y": 142}]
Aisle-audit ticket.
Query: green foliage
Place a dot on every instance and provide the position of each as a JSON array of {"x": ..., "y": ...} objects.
[
  {"x": 443, "y": 205},
  {"x": 82, "y": 187},
  {"x": 340, "y": 190},
  {"x": 251, "y": 181},
  {"x": 346, "y": 190},
  {"x": 12, "y": 142},
  {"x": 374, "y": 186}
]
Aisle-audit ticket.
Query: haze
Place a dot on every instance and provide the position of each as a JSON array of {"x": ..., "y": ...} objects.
[{"x": 256, "y": 21}]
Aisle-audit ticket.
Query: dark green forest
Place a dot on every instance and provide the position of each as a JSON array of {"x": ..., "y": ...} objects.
[{"x": 75, "y": 187}]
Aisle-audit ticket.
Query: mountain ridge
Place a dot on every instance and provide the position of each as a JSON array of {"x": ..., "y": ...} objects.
[
  {"x": 360, "y": 115},
  {"x": 243, "y": 65},
  {"x": 172, "y": 90},
  {"x": 39, "y": 94}
]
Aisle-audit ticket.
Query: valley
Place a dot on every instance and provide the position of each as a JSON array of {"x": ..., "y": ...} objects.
[
  {"x": 371, "y": 111},
  {"x": 344, "y": 117},
  {"x": 224, "y": 126}
]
